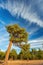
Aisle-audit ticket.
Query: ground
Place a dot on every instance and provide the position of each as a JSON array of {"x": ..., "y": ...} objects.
[{"x": 24, "y": 62}]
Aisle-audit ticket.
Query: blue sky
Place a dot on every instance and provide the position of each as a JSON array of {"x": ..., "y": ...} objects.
[{"x": 26, "y": 13}]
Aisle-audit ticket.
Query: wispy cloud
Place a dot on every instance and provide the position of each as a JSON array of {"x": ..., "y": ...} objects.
[
  {"x": 4, "y": 36},
  {"x": 3, "y": 23},
  {"x": 33, "y": 31},
  {"x": 26, "y": 12},
  {"x": 36, "y": 43},
  {"x": 2, "y": 29},
  {"x": 4, "y": 39},
  {"x": 23, "y": 10},
  {"x": 38, "y": 40}
]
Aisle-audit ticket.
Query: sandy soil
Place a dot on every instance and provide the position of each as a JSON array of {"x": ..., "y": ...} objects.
[{"x": 24, "y": 62}]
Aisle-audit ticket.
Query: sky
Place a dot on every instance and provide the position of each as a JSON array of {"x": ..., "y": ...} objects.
[{"x": 28, "y": 14}]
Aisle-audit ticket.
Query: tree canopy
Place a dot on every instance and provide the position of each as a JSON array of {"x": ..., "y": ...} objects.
[{"x": 17, "y": 34}]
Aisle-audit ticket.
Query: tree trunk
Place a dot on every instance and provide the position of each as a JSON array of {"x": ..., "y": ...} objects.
[{"x": 7, "y": 53}]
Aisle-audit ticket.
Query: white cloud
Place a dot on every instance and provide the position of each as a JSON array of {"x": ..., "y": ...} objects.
[
  {"x": 4, "y": 36},
  {"x": 4, "y": 39},
  {"x": 40, "y": 5},
  {"x": 3, "y": 23},
  {"x": 36, "y": 43},
  {"x": 2, "y": 29},
  {"x": 38, "y": 40},
  {"x": 33, "y": 31},
  {"x": 23, "y": 10}
]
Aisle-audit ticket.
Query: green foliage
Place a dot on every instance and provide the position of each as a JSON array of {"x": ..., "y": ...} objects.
[
  {"x": 26, "y": 47},
  {"x": 17, "y": 34},
  {"x": 40, "y": 54},
  {"x": 2, "y": 55},
  {"x": 36, "y": 54},
  {"x": 13, "y": 55},
  {"x": 25, "y": 52},
  {"x": 33, "y": 54}
]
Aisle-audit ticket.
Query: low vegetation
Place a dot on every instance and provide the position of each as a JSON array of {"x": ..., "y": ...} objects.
[{"x": 25, "y": 54}]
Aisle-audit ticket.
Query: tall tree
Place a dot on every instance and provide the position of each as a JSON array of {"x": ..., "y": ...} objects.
[
  {"x": 17, "y": 36},
  {"x": 13, "y": 54},
  {"x": 40, "y": 54},
  {"x": 25, "y": 52},
  {"x": 34, "y": 54}
]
